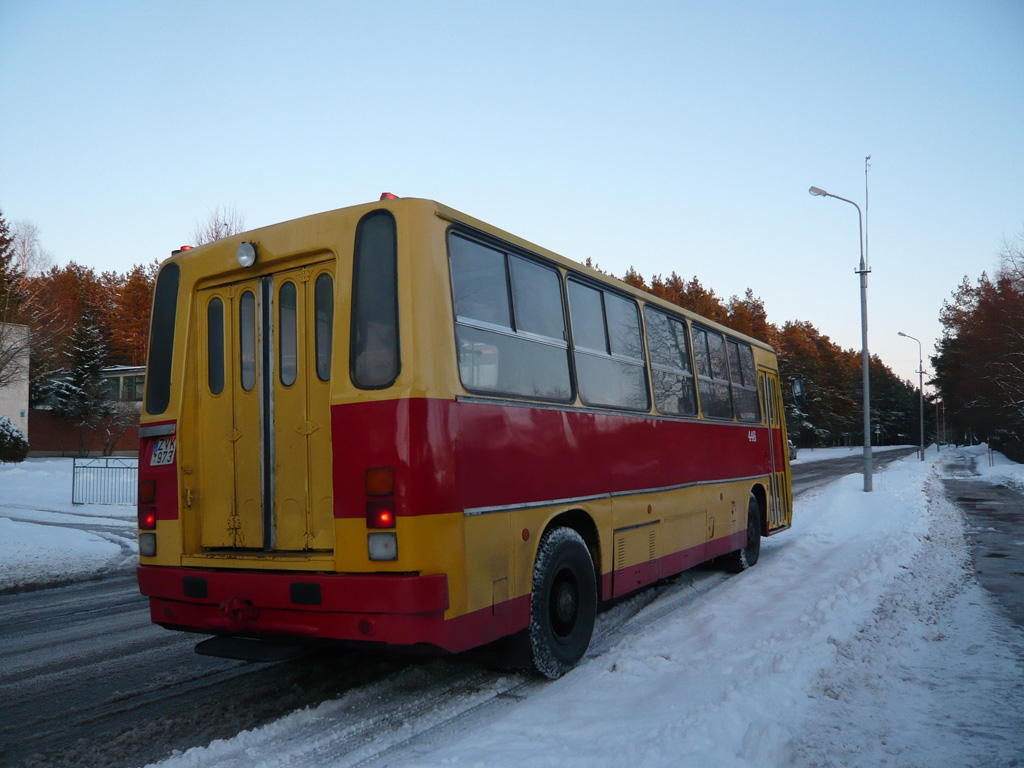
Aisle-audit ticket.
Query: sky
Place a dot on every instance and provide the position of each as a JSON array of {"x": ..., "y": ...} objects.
[{"x": 663, "y": 136}]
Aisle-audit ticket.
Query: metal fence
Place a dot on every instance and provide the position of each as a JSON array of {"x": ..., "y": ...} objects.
[{"x": 105, "y": 480}]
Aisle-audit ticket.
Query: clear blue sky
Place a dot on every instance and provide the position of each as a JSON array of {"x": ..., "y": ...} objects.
[{"x": 666, "y": 136}]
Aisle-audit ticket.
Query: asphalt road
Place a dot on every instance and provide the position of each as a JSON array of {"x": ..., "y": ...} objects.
[
  {"x": 995, "y": 519},
  {"x": 818, "y": 473},
  {"x": 86, "y": 679}
]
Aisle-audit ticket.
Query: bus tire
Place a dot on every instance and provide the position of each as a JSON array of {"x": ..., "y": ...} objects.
[
  {"x": 741, "y": 559},
  {"x": 563, "y": 603}
]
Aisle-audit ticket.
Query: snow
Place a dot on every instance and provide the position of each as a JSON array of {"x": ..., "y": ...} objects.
[
  {"x": 45, "y": 539},
  {"x": 861, "y": 638}
]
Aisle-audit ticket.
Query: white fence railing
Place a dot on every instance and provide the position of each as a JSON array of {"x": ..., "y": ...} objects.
[{"x": 106, "y": 480}]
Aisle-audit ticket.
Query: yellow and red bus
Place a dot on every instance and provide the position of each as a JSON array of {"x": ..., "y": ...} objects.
[{"x": 393, "y": 423}]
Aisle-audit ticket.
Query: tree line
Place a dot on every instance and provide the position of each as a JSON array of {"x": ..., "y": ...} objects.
[
  {"x": 81, "y": 320},
  {"x": 830, "y": 412},
  {"x": 979, "y": 361}
]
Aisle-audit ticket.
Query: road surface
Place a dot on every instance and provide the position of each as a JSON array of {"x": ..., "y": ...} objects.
[{"x": 87, "y": 680}]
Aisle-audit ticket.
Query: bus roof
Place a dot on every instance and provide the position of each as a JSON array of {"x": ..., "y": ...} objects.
[{"x": 455, "y": 216}]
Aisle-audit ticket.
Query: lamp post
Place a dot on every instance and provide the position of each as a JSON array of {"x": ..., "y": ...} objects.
[
  {"x": 920, "y": 382},
  {"x": 864, "y": 356}
]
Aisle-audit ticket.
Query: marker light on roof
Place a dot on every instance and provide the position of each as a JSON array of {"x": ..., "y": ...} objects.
[
  {"x": 388, "y": 196},
  {"x": 246, "y": 254}
]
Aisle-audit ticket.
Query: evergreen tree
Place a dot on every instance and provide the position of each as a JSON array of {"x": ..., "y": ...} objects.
[{"x": 81, "y": 394}]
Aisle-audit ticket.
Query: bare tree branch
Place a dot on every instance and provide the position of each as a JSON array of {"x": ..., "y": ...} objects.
[{"x": 222, "y": 222}]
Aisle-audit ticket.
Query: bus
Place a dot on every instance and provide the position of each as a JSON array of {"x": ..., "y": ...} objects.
[{"x": 398, "y": 425}]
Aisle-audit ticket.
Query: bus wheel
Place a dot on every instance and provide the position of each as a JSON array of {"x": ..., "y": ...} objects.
[
  {"x": 741, "y": 559},
  {"x": 563, "y": 604}
]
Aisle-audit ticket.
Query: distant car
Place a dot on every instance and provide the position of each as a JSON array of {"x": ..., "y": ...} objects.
[{"x": 792, "y": 450}]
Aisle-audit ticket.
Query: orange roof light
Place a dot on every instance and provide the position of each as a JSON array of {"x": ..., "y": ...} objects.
[{"x": 388, "y": 196}]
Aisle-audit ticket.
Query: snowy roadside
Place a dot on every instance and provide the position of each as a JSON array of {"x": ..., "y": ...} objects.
[
  {"x": 861, "y": 638},
  {"x": 46, "y": 540},
  {"x": 812, "y": 455}
]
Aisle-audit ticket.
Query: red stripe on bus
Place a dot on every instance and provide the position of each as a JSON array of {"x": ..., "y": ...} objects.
[{"x": 452, "y": 456}]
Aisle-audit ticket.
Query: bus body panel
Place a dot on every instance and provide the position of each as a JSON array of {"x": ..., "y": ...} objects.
[{"x": 477, "y": 479}]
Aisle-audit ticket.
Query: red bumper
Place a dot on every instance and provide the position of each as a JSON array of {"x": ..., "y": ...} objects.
[{"x": 395, "y": 609}]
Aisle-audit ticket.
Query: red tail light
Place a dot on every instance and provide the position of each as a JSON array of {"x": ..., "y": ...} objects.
[
  {"x": 380, "y": 514},
  {"x": 147, "y": 505},
  {"x": 147, "y": 517}
]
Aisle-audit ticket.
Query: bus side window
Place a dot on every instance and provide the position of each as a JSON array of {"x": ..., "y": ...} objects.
[
  {"x": 744, "y": 383},
  {"x": 671, "y": 374},
  {"x": 609, "y": 356},
  {"x": 509, "y": 323},
  {"x": 712, "y": 374}
]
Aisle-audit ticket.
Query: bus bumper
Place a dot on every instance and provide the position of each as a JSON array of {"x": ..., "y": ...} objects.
[{"x": 395, "y": 609}]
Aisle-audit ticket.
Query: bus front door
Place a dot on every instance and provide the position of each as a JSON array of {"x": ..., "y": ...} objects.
[{"x": 780, "y": 502}]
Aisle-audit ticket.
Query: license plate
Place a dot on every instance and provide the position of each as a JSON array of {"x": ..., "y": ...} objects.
[{"x": 163, "y": 452}]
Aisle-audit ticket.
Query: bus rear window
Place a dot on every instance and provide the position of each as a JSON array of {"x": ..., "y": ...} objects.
[
  {"x": 374, "y": 361},
  {"x": 161, "y": 340},
  {"x": 215, "y": 346}
]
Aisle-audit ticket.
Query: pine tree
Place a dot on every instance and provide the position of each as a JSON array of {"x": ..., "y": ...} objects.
[{"x": 81, "y": 395}]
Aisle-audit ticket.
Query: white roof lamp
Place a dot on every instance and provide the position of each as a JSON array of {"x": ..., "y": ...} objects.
[{"x": 246, "y": 254}]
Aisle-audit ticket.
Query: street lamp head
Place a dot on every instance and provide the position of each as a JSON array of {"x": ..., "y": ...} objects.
[
  {"x": 817, "y": 192},
  {"x": 901, "y": 333}
]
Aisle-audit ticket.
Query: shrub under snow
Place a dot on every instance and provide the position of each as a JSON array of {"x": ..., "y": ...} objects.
[{"x": 13, "y": 445}]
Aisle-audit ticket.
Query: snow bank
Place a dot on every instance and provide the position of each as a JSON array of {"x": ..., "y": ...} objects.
[{"x": 45, "y": 539}]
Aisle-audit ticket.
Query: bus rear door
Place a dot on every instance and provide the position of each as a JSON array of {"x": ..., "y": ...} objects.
[{"x": 264, "y": 476}]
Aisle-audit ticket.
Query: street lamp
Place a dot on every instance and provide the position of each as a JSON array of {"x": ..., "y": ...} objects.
[
  {"x": 920, "y": 382},
  {"x": 864, "y": 356}
]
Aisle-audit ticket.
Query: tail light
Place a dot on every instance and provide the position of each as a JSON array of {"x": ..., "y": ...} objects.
[
  {"x": 147, "y": 518},
  {"x": 147, "y": 505},
  {"x": 380, "y": 481},
  {"x": 379, "y": 485},
  {"x": 380, "y": 514}
]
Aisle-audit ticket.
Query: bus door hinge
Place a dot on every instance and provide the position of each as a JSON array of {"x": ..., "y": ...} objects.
[{"x": 307, "y": 428}]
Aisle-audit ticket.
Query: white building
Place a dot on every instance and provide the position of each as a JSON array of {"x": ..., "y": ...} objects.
[{"x": 14, "y": 356}]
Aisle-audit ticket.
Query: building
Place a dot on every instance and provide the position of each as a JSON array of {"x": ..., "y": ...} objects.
[{"x": 14, "y": 357}]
